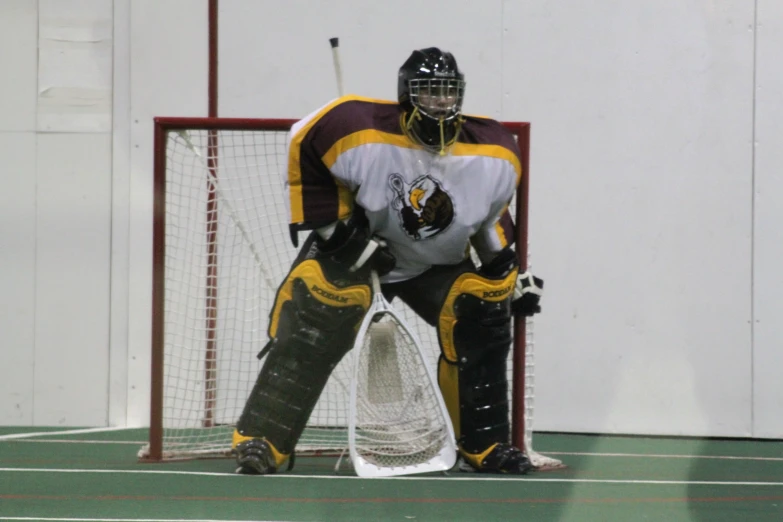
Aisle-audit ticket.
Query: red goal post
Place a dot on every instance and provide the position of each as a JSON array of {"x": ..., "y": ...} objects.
[{"x": 220, "y": 249}]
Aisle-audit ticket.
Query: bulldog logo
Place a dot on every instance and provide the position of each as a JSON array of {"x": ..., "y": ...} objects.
[{"x": 424, "y": 208}]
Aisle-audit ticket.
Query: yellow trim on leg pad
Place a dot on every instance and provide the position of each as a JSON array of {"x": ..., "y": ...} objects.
[
  {"x": 280, "y": 458},
  {"x": 498, "y": 458},
  {"x": 321, "y": 289},
  {"x": 470, "y": 283},
  {"x": 448, "y": 381},
  {"x": 476, "y": 459},
  {"x": 237, "y": 438},
  {"x": 474, "y": 330}
]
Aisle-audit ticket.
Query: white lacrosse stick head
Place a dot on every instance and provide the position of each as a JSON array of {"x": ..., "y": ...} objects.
[{"x": 398, "y": 424}]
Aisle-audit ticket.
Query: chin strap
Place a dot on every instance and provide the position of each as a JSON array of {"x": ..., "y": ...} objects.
[
  {"x": 407, "y": 127},
  {"x": 442, "y": 138}
]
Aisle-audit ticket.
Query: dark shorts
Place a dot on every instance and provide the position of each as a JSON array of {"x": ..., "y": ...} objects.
[{"x": 425, "y": 293}]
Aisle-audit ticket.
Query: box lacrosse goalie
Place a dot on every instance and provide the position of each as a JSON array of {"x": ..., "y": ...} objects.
[{"x": 404, "y": 189}]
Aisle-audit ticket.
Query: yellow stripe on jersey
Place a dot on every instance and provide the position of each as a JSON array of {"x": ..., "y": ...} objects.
[
  {"x": 364, "y": 137},
  {"x": 367, "y": 136},
  {"x": 494, "y": 151},
  {"x": 500, "y": 232},
  {"x": 294, "y": 160},
  {"x": 345, "y": 201}
]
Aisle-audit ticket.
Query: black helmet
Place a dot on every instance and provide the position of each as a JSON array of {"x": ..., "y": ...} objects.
[{"x": 430, "y": 89}]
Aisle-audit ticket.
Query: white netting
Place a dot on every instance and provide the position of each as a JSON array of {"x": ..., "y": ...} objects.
[
  {"x": 399, "y": 419},
  {"x": 227, "y": 248}
]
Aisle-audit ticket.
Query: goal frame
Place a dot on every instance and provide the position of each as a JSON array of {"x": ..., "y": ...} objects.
[{"x": 164, "y": 125}]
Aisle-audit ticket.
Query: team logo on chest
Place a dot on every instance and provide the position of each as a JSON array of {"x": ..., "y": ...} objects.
[{"x": 424, "y": 208}]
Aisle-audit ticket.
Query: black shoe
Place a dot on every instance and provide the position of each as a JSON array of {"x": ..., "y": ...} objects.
[
  {"x": 255, "y": 457},
  {"x": 501, "y": 458}
]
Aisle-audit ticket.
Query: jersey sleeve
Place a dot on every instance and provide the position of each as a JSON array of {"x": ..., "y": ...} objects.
[
  {"x": 316, "y": 198},
  {"x": 497, "y": 231},
  {"x": 321, "y": 176}
]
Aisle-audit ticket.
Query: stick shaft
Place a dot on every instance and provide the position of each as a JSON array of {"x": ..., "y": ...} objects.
[{"x": 338, "y": 72}]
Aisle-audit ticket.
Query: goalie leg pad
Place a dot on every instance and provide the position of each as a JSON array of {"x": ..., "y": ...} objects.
[
  {"x": 474, "y": 330},
  {"x": 312, "y": 326}
]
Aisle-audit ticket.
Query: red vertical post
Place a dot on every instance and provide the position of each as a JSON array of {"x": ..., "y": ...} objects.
[
  {"x": 158, "y": 292},
  {"x": 210, "y": 357},
  {"x": 212, "y": 91},
  {"x": 518, "y": 381}
]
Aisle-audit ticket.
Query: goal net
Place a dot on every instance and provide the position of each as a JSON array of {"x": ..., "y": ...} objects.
[{"x": 221, "y": 249}]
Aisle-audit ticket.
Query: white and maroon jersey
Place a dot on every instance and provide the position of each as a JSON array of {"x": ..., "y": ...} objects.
[{"x": 428, "y": 207}]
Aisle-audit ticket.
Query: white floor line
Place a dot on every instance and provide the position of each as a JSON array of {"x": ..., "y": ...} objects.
[
  {"x": 63, "y": 432},
  {"x": 471, "y": 477},
  {"x": 82, "y": 441},
  {"x": 21, "y": 437},
  {"x": 132, "y": 519},
  {"x": 663, "y": 456}
]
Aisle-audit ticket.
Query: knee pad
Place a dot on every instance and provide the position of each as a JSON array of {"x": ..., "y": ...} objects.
[
  {"x": 474, "y": 331},
  {"x": 310, "y": 306},
  {"x": 312, "y": 326}
]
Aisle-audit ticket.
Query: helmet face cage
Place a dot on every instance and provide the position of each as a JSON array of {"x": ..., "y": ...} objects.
[
  {"x": 430, "y": 90},
  {"x": 438, "y": 98}
]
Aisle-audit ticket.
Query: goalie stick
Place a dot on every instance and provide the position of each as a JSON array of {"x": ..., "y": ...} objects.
[
  {"x": 398, "y": 422},
  {"x": 338, "y": 71}
]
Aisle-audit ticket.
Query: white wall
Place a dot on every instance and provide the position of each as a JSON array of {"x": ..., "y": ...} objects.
[
  {"x": 768, "y": 234},
  {"x": 641, "y": 210},
  {"x": 652, "y": 219},
  {"x": 268, "y": 69},
  {"x": 168, "y": 76},
  {"x": 18, "y": 29},
  {"x": 56, "y": 172}
]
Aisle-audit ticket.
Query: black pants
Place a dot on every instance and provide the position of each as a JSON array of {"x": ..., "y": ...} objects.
[{"x": 425, "y": 293}]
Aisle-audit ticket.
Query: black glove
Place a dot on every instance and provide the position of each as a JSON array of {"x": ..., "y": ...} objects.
[
  {"x": 528, "y": 288},
  {"x": 352, "y": 247},
  {"x": 527, "y": 294}
]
